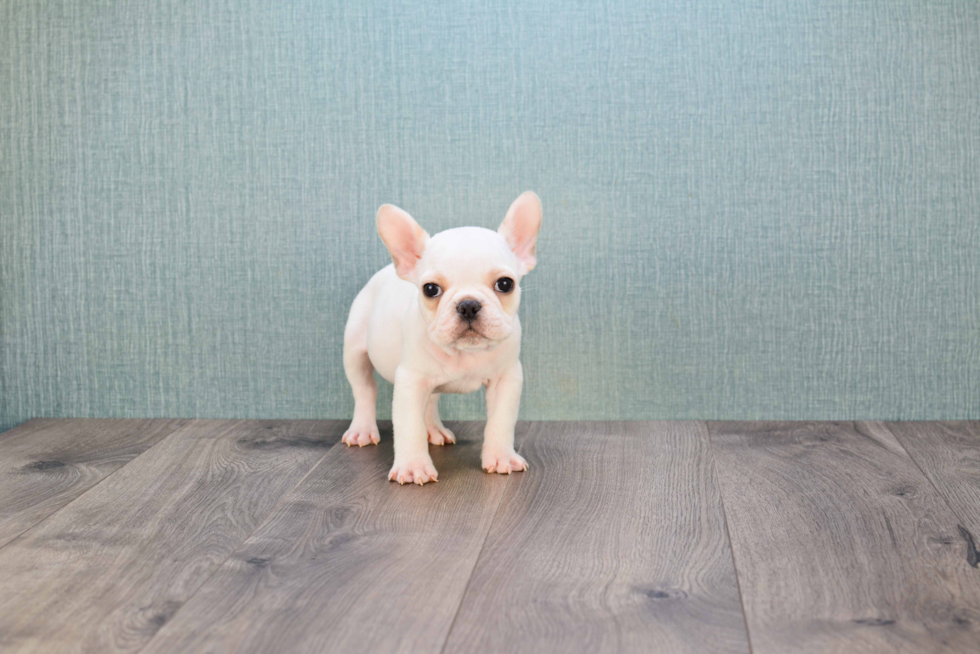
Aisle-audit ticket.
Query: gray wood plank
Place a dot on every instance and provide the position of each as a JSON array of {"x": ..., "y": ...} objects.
[
  {"x": 350, "y": 562},
  {"x": 840, "y": 542},
  {"x": 108, "y": 570},
  {"x": 47, "y": 463},
  {"x": 613, "y": 542},
  {"x": 949, "y": 455}
]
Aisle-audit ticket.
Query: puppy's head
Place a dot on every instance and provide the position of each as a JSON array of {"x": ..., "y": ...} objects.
[{"x": 468, "y": 278}]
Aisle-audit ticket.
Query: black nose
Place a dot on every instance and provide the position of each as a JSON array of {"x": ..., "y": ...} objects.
[{"x": 468, "y": 309}]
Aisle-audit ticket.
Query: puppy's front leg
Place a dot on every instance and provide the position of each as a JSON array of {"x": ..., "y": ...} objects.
[
  {"x": 412, "y": 461},
  {"x": 503, "y": 402}
]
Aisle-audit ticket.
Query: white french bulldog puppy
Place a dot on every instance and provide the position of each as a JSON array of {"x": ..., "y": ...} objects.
[{"x": 442, "y": 319}]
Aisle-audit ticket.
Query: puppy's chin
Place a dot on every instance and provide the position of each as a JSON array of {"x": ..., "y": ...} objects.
[{"x": 464, "y": 339}]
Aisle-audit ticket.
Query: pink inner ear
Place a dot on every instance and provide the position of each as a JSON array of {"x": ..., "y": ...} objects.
[
  {"x": 403, "y": 237},
  {"x": 520, "y": 229},
  {"x": 524, "y": 246}
]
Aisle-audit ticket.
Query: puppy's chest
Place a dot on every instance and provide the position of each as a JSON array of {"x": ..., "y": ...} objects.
[
  {"x": 466, "y": 384},
  {"x": 466, "y": 375},
  {"x": 468, "y": 371}
]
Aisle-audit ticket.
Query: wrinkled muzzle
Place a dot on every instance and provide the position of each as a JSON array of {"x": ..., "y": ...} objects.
[{"x": 469, "y": 322}]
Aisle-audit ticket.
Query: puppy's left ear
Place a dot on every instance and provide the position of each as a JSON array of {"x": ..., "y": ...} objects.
[{"x": 520, "y": 229}]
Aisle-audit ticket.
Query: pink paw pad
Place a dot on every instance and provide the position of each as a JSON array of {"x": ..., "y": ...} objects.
[
  {"x": 361, "y": 435},
  {"x": 417, "y": 471},
  {"x": 440, "y": 435},
  {"x": 503, "y": 462}
]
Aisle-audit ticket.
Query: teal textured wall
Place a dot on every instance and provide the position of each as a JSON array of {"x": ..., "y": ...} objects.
[{"x": 752, "y": 209}]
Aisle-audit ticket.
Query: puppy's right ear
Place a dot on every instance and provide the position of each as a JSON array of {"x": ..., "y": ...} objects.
[{"x": 403, "y": 237}]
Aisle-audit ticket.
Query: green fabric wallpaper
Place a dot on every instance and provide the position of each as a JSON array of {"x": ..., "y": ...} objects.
[{"x": 765, "y": 209}]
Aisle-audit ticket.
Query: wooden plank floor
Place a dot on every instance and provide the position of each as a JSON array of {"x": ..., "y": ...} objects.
[
  {"x": 48, "y": 463},
  {"x": 383, "y": 565},
  {"x": 224, "y": 536},
  {"x": 614, "y": 543},
  {"x": 841, "y": 543},
  {"x": 106, "y": 571},
  {"x": 949, "y": 455}
]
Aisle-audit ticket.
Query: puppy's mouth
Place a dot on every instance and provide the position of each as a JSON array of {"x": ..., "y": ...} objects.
[
  {"x": 471, "y": 333},
  {"x": 471, "y": 339}
]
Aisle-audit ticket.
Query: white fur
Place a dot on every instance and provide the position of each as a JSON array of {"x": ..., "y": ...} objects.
[{"x": 425, "y": 348}]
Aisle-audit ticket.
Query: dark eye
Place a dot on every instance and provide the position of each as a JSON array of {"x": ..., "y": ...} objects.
[
  {"x": 504, "y": 285},
  {"x": 431, "y": 290}
]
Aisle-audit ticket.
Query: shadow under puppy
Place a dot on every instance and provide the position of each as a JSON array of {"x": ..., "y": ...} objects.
[{"x": 442, "y": 319}]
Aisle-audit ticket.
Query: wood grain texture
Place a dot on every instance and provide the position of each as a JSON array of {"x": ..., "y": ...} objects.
[
  {"x": 47, "y": 463},
  {"x": 105, "y": 573},
  {"x": 949, "y": 455},
  {"x": 840, "y": 542},
  {"x": 613, "y": 542},
  {"x": 350, "y": 562}
]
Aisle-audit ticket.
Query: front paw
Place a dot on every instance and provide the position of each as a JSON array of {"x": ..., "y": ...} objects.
[
  {"x": 417, "y": 470},
  {"x": 502, "y": 461},
  {"x": 362, "y": 434}
]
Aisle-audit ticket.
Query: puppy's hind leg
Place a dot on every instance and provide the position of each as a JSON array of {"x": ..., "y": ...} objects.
[
  {"x": 438, "y": 434},
  {"x": 363, "y": 428}
]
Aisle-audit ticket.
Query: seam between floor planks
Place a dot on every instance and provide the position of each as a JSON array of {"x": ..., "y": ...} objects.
[
  {"x": 608, "y": 489},
  {"x": 232, "y": 553},
  {"x": 476, "y": 561},
  {"x": 728, "y": 535},
  {"x": 178, "y": 424},
  {"x": 938, "y": 490},
  {"x": 67, "y": 504},
  {"x": 972, "y": 539},
  {"x": 908, "y": 608}
]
